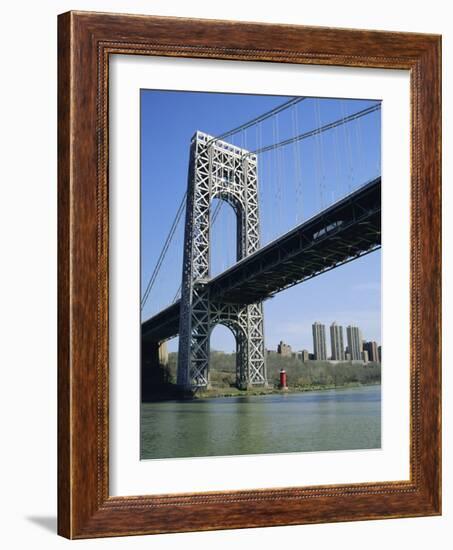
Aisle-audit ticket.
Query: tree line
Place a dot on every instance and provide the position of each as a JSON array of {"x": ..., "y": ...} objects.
[{"x": 299, "y": 374}]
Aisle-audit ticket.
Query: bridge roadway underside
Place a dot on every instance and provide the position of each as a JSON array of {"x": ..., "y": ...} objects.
[{"x": 348, "y": 229}]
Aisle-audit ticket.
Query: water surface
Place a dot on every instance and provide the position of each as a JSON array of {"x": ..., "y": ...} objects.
[{"x": 338, "y": 419}]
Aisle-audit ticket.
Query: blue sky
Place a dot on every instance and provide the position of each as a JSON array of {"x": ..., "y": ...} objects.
[{"x": 295, "y": 182}]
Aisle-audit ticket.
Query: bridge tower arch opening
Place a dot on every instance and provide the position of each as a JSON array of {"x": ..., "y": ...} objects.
[
  {"x": 234, "y": 337},
  {"x": 226, "y": 221},
  {"x": 218, "y": 169}
]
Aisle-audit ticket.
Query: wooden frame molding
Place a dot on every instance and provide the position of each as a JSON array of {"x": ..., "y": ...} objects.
[{"x": 85, "y": 42}]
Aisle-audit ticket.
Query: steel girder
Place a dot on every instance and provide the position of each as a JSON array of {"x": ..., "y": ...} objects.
[{"x": 343, "y": 232}]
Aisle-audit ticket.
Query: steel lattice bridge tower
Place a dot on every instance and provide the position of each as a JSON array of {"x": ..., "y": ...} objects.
[{"x": 218, "y": 170}]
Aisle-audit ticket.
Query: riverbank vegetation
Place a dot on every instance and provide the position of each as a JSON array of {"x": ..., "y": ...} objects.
[{"x": 301, "y": 376}]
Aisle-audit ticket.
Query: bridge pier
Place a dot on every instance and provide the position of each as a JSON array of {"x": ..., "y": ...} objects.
[{"x": 154, "y": 372}]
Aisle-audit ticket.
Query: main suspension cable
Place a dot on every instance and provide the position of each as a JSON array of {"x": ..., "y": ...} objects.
[
  {"x": 316, "y": 131},
  {"x": 258, "y": 119}
]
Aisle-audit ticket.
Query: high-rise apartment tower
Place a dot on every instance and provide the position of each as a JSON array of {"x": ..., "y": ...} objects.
[
  {"x": 336, "y": 342},
  {"x": 354, "y": 342},
  {"x": 319, "y": 341}
]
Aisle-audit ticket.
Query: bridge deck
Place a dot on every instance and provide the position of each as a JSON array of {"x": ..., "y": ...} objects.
[{"x": 343, "y": 232}]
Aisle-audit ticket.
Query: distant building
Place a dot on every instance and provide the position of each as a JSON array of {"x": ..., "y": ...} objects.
[
  {"x": 372, "y": 349},
  {"x": 319, "y": 341},
  {"x": 284, "y": 349},
  {"x": 365, "y": 356},
  {"x": 311, "y": 356},
  {"x": 380, "y": 353},
  {"x": 354, "y": 342},
  {"x": 336, "y": 342},
  {"x": 347, "y": 356},
  {"x": 305, "y": 355}
]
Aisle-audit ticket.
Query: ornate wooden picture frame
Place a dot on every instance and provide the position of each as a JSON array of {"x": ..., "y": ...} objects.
[{"x": 85, "y": 42}]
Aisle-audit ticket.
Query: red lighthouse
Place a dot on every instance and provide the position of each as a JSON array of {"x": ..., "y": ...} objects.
[{"x": 283, "y": 384}]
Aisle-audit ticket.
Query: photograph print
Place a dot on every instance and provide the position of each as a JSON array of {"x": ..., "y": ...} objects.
[{"x": 260, "y": 274}]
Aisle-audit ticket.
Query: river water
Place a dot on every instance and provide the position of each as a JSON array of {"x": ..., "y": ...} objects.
[{"x": 277, "y": 423}]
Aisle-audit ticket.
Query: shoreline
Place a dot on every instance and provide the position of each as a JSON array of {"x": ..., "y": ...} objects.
[
  {"x": 173, "y": 394},
  {"x": 234, "y": 392}
]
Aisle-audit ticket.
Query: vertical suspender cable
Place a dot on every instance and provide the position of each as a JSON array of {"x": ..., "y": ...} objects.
[
  {"x": 298, "y": 151},
  {"x": 317, "y": 155},
  {"x": 336, "y": 158},
  {"x": 348, "y": 145}
]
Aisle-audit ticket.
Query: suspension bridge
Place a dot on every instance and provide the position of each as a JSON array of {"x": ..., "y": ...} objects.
[{"x": 304, "y": 246}]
